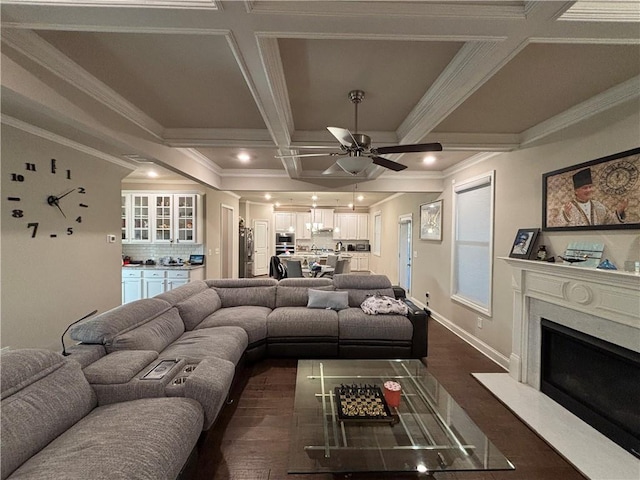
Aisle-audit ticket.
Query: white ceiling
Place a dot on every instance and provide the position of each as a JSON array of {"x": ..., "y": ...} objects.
[{"x": 190, "y": 84}]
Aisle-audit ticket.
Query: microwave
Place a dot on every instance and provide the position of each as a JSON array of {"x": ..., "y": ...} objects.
[
  {"x": 282, "y": 238},
  {"x": 363, "y": 247}
]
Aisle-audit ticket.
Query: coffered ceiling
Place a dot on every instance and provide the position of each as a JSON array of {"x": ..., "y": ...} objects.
[{"x": 191, "y": 84}]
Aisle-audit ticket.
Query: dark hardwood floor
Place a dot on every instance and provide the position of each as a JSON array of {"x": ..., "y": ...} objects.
[{"x": 250, "y": 441}]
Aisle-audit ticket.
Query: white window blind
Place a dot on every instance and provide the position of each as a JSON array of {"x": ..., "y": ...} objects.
[{"x": 473, "y": 243}]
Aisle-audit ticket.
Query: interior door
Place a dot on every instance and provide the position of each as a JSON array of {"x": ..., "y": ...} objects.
[
  {"x": 404, "y": 252},
  {"x": 260, "y": 247},
  {"x": 226, "y": 242}
]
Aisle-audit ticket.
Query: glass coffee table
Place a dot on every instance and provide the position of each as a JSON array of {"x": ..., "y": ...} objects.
[{"x": 427, "y": 432}]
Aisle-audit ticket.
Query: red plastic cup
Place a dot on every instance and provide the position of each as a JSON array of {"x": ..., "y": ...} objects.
[{"x": 392, "y": 392}]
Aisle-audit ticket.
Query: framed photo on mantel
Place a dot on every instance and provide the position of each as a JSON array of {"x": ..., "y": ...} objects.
[
  {"x": 601, "y": 194},
  {"x": 524, "y": 243}
]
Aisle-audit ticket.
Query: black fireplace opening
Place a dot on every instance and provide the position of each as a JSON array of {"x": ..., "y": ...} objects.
[{"x": 597, "y": 381}]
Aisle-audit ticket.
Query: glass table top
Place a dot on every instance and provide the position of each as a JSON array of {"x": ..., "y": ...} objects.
[{"x": 427, "y": 432}]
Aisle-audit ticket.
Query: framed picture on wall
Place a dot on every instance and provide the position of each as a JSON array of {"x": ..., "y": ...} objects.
[
  {"x": 601, "y": 194},
  {"x": 524, "y": 242},
  {"x": 431, "y": 221}
]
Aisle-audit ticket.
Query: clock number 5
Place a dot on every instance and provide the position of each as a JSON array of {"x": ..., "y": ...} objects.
[{"x": 35, "y": 228}]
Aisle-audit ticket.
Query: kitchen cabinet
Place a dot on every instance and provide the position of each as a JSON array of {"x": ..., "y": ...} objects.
[
  {"x": 303, "y": 226},
  {"x": 143, "y": 282},
  {"x": 285, "y": 221},
  {"x": 351, "y": 226},
  {"x": 161, "y": 217},
  {"x": 131, "y": 285},
  {"x": 322, "y": 217},
  {"x": 359, "y": 262}
]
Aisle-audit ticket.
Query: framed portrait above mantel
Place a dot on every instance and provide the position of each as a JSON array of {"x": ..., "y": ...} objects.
[
  {"x": 602, "y": 194},
  {"x": 431, "y": 221}
]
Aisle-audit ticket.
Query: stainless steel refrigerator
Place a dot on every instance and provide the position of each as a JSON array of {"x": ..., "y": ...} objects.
[{"x": 246, "y": 253}]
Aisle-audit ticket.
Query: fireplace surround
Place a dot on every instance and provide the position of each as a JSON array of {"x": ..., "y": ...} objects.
[{"x": 601, "y": 303}]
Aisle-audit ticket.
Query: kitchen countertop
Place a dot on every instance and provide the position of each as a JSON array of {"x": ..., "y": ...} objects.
[{"x": 162, "y": 267}]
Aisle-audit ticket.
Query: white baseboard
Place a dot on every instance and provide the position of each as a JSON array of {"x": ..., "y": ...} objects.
[{"x": 475, "y": 342}]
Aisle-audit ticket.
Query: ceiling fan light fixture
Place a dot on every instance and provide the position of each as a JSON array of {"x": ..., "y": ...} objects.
[
  {"x": 429, "y": 159},
  {"x": 353, "y": 165}
]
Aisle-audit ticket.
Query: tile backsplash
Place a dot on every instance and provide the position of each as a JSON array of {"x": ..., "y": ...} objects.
[{"x": 156, "y": 251}]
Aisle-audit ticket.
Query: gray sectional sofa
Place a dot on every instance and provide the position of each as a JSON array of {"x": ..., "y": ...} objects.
[{"x": 187, "y": 345}]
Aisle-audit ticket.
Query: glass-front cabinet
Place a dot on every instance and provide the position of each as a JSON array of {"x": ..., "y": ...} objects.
[
  {"x": 186, "y": 215},
  {"x": 140, "y": 219},
  {"x": 160, "y": 217},
  {"x": 163, "y": 218}
]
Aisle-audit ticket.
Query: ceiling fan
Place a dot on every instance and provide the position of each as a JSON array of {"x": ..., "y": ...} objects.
[{"x": 356, "y": 152}]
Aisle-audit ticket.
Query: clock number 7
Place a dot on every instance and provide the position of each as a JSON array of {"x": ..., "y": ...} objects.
[{"x": 35, "y": 228}]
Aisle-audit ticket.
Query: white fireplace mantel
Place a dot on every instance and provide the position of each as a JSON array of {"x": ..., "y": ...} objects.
[{"x": 608, "y": 298}]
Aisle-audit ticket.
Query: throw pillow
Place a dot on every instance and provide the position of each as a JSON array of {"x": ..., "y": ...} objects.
[
  {"x": 328, "y": 300},
  {"x": 381, "y": 305}
]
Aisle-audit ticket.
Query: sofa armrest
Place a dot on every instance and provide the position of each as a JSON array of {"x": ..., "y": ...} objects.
[{"x": 418, "y": 318}]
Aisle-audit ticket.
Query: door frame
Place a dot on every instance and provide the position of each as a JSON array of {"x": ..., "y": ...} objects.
[
  {"x": 402, "y": 269},
  {"x": 227, "y": 226}
]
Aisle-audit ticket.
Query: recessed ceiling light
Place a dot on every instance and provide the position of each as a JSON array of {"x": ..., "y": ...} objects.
[
  {"x": 152, "y": 174},
  {"x": 351, "y": 205},
  {"x": 267, "y": 196},
  {"x": 314, "y": 204},
  {"x": 314, "y": 197},
  {"x": 429, "y": 159},
  {"x": 360, "y": 198},
  {"x": 244, "y": 157},
  {"x": 277, "y": 204}
]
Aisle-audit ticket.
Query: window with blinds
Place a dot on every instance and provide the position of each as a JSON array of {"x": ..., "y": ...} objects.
[{"x": 472, "y": 264}]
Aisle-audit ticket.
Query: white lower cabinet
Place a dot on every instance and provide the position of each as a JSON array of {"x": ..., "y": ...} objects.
[
  {"x": 153, "y": 282},
  {"x": 360, "y": 262},
  {"x": 147, "y": 283},
  {"x": 131, "y": 285}
]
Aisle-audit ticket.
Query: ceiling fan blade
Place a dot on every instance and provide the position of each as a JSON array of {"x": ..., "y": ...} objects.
[
  {"x": 308, "y": 155},
  {"x": 343, "y": 135},
  {"x": 335, "y": 168},
  {"x": 414, "y": 148},
  {"x": 390, "y": 164}
]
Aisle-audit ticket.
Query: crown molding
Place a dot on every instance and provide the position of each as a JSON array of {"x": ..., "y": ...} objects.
[
  {"x": 451, "y": 88},
  {"x": 217, "y": 137},
  {"x": 201, "y": 160},
  {"x": 39, "y": 132},
  {"x": 262, "y": 173},
  {"x": 35, "y": 48},
  {"x": 603, "y": 11},
  {"x": 181, "y": 4},
  {"x": 470, "y": 162},
  {"x": 621, "y": 93},
  {"x": 498, "y": 10},
  {"x": 272, "y": 63}
]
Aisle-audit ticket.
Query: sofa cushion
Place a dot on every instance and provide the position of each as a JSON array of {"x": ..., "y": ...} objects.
[
  {"x": 362, "y": 286},
  {"x": 330, "y": 300},
  {"x": 252, "y": 319},
  {"x": 228, "y": 343},
  {"x": 195, "y": 309},
  {"x": 177, "y": 295},
  {"x": 103, "y": 328},
  {"x": 238, "y": 292},
  {"x": 119, "y": 367},
  {"x": 356, "y": 325},
  {"x": 294, "y": 292},
  {"x": 144, "y": 439},
  {"x": 302, "y": 322},
  {"x": 155, "y": 334},
  {"x": 43, "y": 394}
]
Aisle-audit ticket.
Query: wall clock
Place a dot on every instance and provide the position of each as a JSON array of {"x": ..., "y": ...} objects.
[
  {"x": 65, "y": 197},
  {"x": 619, "y": 178}
]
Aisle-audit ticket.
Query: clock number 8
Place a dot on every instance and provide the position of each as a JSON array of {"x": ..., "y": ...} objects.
[{"x": 17, "y": 213}]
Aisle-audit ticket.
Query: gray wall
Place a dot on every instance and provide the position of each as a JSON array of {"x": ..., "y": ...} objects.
[
  {"x": 518, "y": 200},
  {"x": 49, "y": 282}
]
